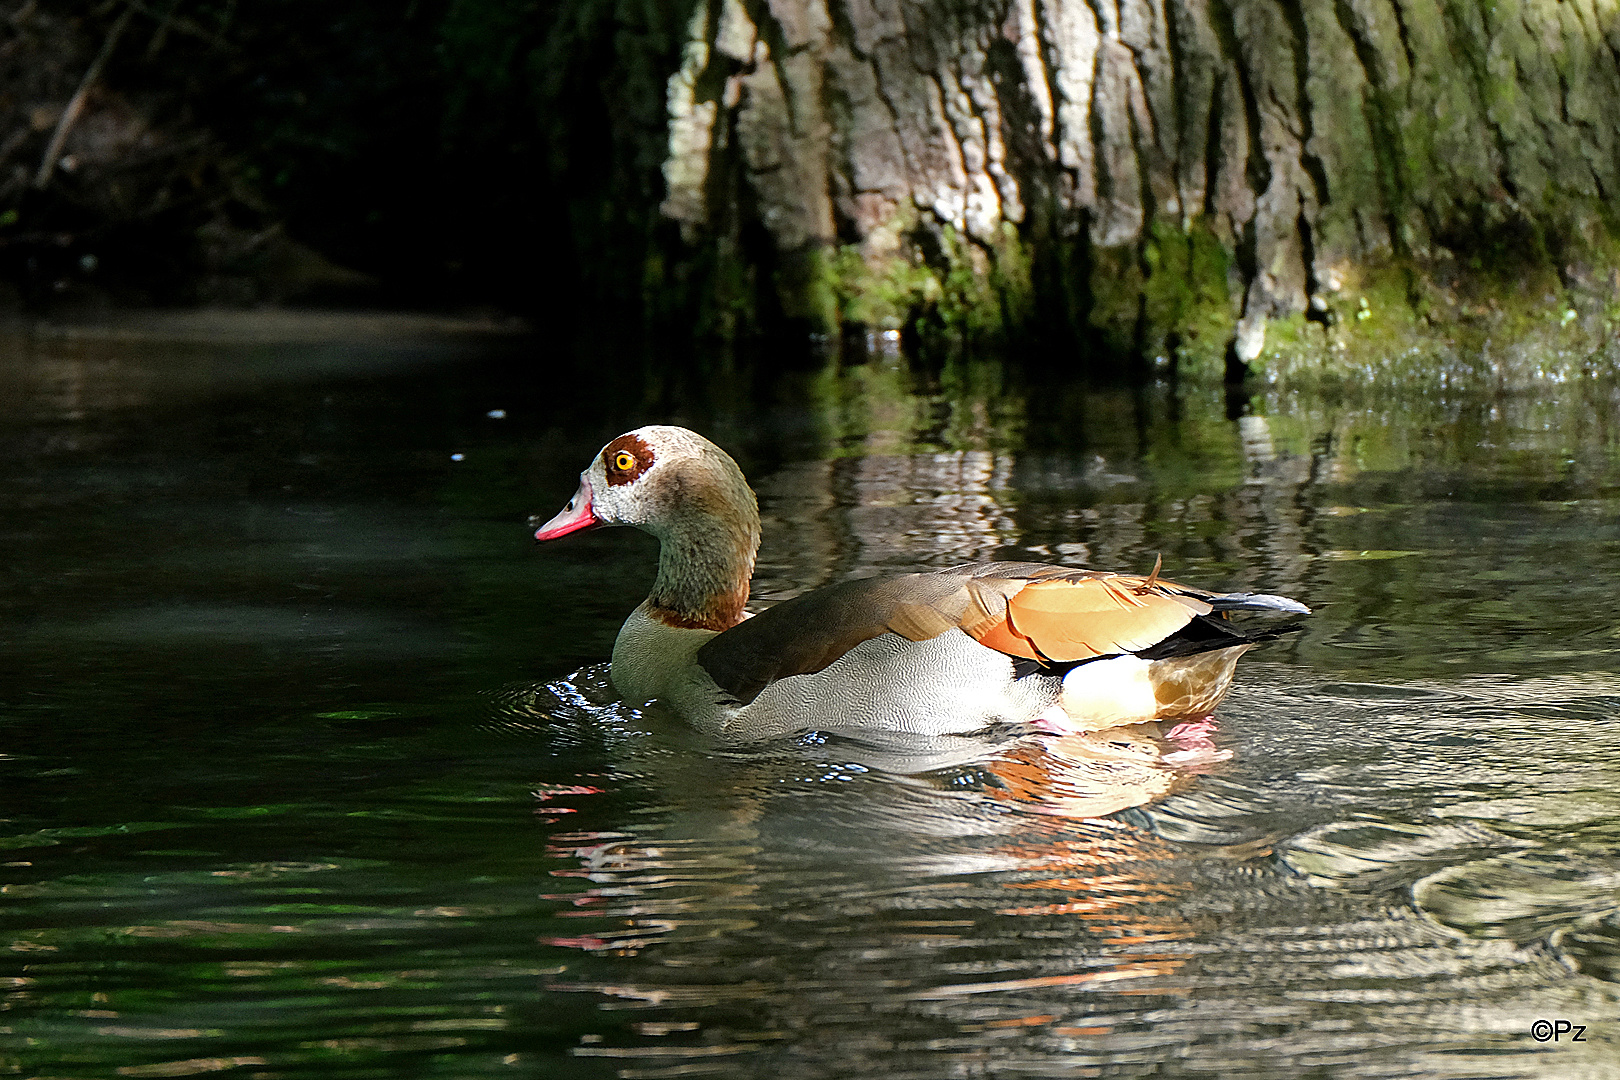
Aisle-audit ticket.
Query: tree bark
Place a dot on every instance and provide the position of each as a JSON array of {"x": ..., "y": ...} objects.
[{"x": 1151, "y": 176}]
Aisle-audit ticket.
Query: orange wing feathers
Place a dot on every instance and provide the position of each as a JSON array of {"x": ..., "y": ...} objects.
[
  {"x": 1078, "y": 618},
  {"x": 1003, "y": 638}
]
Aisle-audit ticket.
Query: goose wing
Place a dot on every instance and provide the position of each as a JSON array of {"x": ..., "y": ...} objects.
[{"x": 1030, "y": 610}]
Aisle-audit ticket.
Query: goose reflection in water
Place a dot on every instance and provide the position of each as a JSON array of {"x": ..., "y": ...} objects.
[
  {"x": 1092, "y": 774},
  {"x": 831, "y": 874}
]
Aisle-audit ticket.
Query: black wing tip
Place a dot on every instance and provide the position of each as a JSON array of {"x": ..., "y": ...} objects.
[{"x": 1257, "y": 602}]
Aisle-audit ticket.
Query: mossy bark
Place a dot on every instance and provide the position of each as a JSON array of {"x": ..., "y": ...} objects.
[
  {"x": 1144, "y": 179},
  {"x": 1156, "y": 178}
]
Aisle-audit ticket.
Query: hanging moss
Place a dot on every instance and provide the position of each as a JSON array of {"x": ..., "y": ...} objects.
[
  {"x": 883, "y": 294},
  {"x": 935, "y": 283},
  {"x": 807, "y": 287},
  {"x": 1170, "y": 296},
  {"x": 1187, "y": 302}
]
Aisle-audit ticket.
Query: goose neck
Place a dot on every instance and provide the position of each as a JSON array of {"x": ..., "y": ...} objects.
[{"x": 705, "y": 565}]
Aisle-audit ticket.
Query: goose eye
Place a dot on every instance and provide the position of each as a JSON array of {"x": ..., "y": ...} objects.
[{"x": 624, "y": 461}]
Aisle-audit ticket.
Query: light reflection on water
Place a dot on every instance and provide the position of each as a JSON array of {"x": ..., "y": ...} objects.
[
  {"x": 1338, "y": 898},
  {"x": 292, "y": 782}
]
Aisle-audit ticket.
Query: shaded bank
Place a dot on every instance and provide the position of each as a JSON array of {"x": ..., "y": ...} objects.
[
  {"x": 1206, "y": 184},
  {"x": 285, "y": 151}
]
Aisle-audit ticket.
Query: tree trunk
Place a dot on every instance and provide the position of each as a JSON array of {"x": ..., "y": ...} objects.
[{"x": 1154, "y": 177}]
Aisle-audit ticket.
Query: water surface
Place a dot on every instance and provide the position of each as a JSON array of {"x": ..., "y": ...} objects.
[{"x": 309, "y": 765}]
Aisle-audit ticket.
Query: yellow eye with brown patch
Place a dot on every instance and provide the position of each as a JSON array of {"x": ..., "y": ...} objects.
[{"x": 624, "y": 461}]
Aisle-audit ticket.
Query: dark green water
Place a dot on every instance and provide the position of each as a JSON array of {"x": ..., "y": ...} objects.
[{"x": 308, "y": 765}]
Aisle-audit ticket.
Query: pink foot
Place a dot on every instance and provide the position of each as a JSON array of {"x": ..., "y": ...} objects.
[
  {"x": 1053, "y": 721},
  {"x": 1197, "y": 752},
  {"x": 1193, "y": 732}
]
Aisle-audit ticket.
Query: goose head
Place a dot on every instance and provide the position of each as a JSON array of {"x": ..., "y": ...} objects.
[{"x": 690, "y": 494}]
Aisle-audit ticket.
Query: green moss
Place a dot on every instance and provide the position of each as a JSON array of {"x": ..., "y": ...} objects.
[
  {"x": 968, "y": 304},
  {"x": 1396, "y": 325},
  {"x": 1171, "y": 296},
  {"x": 806, "y": 285},
  {"x": 1012, "y": 277},
  {"x": 1117, "y": 283},
  {"x": 966, "y": 289},
  {"x": 883, "y": 293},
  {"x": 1187, "y": 295}
]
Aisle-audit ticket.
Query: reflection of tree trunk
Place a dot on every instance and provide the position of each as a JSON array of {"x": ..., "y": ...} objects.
[
  {"x": 1133, "y": 168},
  {"x": 828, "y": 521}
]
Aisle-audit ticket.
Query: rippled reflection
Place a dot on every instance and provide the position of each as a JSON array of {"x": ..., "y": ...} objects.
[
  {"x": 292, "y": 782},
  {"x": 806, "y": 896},
  {"x": 123, "y": 361}
]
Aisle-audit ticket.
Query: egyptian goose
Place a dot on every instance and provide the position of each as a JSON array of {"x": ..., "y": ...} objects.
[{"x": 928, "y": 653}]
